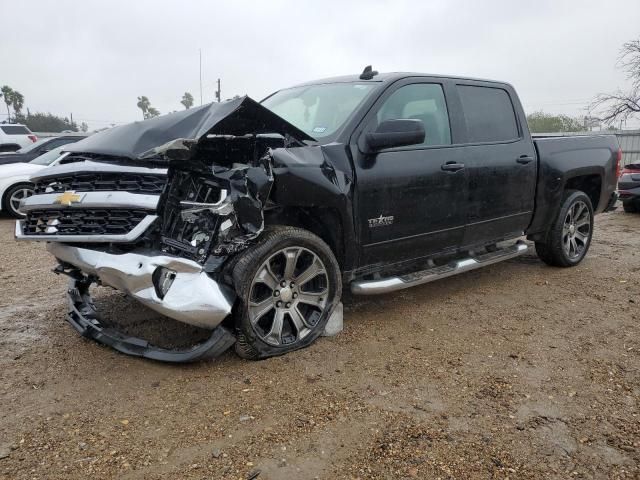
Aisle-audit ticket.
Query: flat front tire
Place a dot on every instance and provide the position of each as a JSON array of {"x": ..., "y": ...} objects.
[
  {"x": 288, "y": 285},
  {"x": 569, "y": 237}
]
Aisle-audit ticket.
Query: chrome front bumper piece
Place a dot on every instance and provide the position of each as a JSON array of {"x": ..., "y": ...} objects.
[
  {"x": 191, "y": 296},
  {"x": 56, "y": 195}
]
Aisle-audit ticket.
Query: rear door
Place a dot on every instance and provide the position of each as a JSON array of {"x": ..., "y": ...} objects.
[
  {"x": 411, "y": 200},
  {"x": 500, "y": 160}
]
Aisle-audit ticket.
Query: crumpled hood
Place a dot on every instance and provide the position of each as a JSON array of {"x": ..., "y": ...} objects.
[{"x": 145, "y": 139}]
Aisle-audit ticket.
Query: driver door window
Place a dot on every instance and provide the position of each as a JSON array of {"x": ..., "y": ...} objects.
[{"x": 420, "y": 101}]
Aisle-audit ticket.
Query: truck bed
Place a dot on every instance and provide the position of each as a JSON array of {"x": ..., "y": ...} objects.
[{"x": 568, "y": 158}]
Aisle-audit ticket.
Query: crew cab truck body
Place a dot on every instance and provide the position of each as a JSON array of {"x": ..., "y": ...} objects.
[{"x": 248, "y": 219}]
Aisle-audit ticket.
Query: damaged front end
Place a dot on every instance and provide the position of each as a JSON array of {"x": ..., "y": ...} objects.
[{"x": 156, "y": 209}]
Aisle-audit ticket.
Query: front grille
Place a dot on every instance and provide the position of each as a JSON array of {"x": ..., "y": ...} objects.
[
  {"x": 82, "y": 221},
  {"x": 103, "y": 182}
]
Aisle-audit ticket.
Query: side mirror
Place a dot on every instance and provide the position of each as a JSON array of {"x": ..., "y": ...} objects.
[{"x": 395, "y": 133}]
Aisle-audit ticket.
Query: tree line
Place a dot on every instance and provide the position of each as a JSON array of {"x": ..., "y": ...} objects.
[
  {"x": 39, "y": 121},
  {"x": 144, "y": 104},
  {"x": 47, "y": 122}
]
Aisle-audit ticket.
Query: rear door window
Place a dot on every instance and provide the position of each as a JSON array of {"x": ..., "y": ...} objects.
[
  {"x": 488, "y": 113},
  {"x": 15, "y": 130}
]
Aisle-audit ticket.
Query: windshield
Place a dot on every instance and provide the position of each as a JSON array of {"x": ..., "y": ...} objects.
[
  {"x": 33, "y": 146},
  {"x": 47, "y": 158},
  {"x": 319, "y": 110}
]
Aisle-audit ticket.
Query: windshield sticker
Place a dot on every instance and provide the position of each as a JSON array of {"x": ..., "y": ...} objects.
[{"x": 319, "y": 129}]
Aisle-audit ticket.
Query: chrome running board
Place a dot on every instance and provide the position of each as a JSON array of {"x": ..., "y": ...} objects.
[{"x": 391, "y": 284}]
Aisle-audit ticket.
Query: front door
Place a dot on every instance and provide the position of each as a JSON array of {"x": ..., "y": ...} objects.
[{"x": 411, "y": 200}]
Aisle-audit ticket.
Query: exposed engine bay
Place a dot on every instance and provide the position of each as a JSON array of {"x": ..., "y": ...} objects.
[{"x": 216, "y": 208}]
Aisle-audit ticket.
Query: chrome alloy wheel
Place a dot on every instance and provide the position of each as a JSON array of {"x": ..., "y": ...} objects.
[
  {"x": 288, "y": 296},
  {"x": 576, "y": 230},
  {"x": 17, "y": 197}
]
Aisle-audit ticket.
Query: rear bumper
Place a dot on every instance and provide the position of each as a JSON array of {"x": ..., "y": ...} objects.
[
  {"x": 629, "y": 194},
  {"x": 191, "y": 295}
]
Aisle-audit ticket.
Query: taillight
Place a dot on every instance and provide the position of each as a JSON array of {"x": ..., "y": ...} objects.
[
  {"x": 618, "y": 162},
  {"x": 33, "y": 138}
]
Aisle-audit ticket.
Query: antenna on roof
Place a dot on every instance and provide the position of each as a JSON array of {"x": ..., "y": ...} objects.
[{"x": 368, "y": 73}]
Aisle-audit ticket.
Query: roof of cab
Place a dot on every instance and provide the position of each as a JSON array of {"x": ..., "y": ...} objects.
[{"x": 389, "y": 77}]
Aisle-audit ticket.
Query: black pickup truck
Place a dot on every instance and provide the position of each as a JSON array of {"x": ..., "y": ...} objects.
[{"x": 248, "y": 218}]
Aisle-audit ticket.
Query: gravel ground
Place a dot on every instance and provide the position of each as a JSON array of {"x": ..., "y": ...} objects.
[{"x": 518, "y": 370}]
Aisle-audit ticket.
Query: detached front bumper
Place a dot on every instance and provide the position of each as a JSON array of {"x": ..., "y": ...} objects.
[
  {"x": 83, "y": 317},
  {"x": 172, "y": 286}
]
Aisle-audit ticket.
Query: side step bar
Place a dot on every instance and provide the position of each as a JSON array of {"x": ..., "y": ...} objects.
[{"x": 391, "y": 284}]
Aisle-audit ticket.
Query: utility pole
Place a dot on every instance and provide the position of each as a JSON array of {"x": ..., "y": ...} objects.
[
  {"x": 218, "y": 91},
  {"x": 200, "y": 50}
]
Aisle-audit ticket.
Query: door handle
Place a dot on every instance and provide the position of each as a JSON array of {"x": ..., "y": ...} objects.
[
  {"x": 524, "y": 159},
  {"x": 452, "y": 166}
]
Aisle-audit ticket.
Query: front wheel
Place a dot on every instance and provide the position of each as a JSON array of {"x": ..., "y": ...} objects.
[
  {"x": 569, "y": 237},
  {"x": 13, "y": 196},
  {"x": 287, "y": 285}
]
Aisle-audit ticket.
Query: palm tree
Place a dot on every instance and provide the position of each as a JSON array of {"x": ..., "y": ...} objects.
[
  {"x": 17, "y": 101},
  {"x": 152, "y": 112},
  {"x": 143, "y": 104},
  {"x": 187, "y": 100},
  {"x": 7, "y": 93}
]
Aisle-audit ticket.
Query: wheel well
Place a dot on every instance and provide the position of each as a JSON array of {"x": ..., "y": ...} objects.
[
  {"x": 589, "y": 184},
  {"x": 323, "y": 222}
]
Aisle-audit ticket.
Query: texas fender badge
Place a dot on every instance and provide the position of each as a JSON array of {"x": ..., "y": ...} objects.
[{"x": 381, "y": 221}]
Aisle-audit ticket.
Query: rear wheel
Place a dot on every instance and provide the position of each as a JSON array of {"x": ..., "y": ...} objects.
[
  {"x": 631, "y": 206},
  {"x": 288, "y": 285},
  {"x": 569, "y": 237},
  {"x": 13, "y": 196}
]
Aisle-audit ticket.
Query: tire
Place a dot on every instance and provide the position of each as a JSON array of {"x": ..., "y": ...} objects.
[
  {"x": 272, "y": 319},
  {"x": 558, "y": 248},
  {"x": 631, "y": 206},
  {"x": 13, "y": 193}
]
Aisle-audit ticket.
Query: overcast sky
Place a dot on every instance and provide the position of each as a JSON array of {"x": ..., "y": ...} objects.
[{"x": 94, "y": 58}]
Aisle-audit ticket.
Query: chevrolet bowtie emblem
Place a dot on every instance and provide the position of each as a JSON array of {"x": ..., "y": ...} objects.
[{"x": 67, "y": 198}]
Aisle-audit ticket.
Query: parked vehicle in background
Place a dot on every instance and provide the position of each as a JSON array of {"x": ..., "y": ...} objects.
[
  {"x": 15, "y": 185},
  {"x": 377, "y": 182},
  {"x": 15, "y": 136},
  {"x": 43, "y": 145},
  {"x": 629, "y": 188}
]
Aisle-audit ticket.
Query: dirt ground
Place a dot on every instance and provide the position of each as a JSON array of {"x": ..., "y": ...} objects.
[{"x": 518, "y": 370}]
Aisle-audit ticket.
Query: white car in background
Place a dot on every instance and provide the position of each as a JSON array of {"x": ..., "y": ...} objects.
[
  {"x": 14, "y": 136},
  {"x": 15, "y": 184}
]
